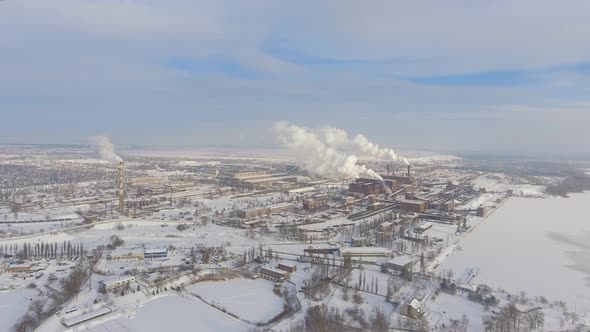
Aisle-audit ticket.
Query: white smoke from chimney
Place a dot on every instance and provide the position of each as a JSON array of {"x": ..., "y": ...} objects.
[
  {"x": 373, "y": 149},
  {"x": 338, "y": 138},
  {"x": 106, "y": 149},
  {"x": 317, "y": 157}
]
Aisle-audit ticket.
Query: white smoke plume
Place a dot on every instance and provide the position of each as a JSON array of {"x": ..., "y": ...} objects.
[
  {"x": 106, "y": 149},
  {"x": 317, "y": 157},
  {"x": 373, "y": 149},
  {"x": 338, "y": 138}
]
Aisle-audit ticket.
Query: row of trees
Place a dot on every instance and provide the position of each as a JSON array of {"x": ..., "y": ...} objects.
[
  {"x": 46, "y": 250},
  {"x": 321, "y": 318},
  {"x": 42, "y": 308},
  {"x": 510, "y": 319}
]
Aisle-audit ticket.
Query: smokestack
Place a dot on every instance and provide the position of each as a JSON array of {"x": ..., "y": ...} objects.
[
  {"x": 121, "y": 187},
  {"x": 408, "y": 170},
  {"x": 387, "y": 169}
]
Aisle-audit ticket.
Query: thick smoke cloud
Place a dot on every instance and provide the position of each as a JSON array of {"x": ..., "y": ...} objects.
[
  {"x": 338, "y": 138},
  {"x": 318, "y": 157},
  {"x": 106, "y": 149}
]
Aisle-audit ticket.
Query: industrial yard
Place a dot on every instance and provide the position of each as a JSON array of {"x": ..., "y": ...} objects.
[{"x": 96, "y": 240}]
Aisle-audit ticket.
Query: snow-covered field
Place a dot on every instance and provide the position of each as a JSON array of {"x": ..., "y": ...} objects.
[
  {"x": 496, "y": 182},
  {"x": 446, "y": 307},
  {"x": 174, "y": 313},
  {"x": 13, "y": 305},
  {"x": 252, "y": 300},
  {"x": 535, "y": 245}
]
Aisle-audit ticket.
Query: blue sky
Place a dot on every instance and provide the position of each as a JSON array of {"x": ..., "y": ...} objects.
[{"x": 502, "y": 77}]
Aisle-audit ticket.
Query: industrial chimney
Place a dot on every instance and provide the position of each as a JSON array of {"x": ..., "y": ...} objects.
[
  {"x": 408, "y": 170},
  {"x": 121, "y": 187}
]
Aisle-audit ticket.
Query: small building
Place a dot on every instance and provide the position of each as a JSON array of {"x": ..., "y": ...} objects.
[
  {"x": 155, "y": 253},
  {"x": 414, "y": 206},
  {"x": 272, "y": 274},
  {"x": 322, "y": 251},
  {"x": 386, "y": 226},
  {"x": 481, "y": 211},
  {"x": 109, "y": 285},
  {"x": 69, "y": 322},
  {"x": 423, "y": 227},
  {"x": 414, "y": 309},
  {"x": 20, "y": 268},
  {"x": 358, "y": 242},
  {"x": 400, "y": 264},
  {"x": 256, "y": 212},
  {"x": 316, "y": 203},
  {"x": 120, "y": 255},
  {"x": 287, "y": 267},
  {"x": 365, "y": 252}
]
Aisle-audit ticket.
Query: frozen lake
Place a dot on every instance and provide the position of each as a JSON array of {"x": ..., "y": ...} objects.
[{"x": 541, "y": 246}]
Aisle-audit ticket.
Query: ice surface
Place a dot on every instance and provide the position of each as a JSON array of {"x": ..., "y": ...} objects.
[{"x": 516, "y": 249}]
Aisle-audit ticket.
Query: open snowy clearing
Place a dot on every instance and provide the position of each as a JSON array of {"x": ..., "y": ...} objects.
[
  {"x": 173, "y": 313},
  {"x": 251, "y": 300},
  {"x": 446, "y": 307},
  {"x": 14, "y": 304}
]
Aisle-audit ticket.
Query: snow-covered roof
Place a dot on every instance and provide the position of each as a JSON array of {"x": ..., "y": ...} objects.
[
  {"x": 400, "y": 261},
  {"x": 156, "y": 251},
  {"x": 108, "y": 283},
  {"x": 411, "y": 201},
  {"x": 416, "y": 304},
  {"x": 87, "y": 316},
  {"x": 424, "y": 225},
  {"x": 272, "y": 269},
  {"x": 20, "y": 266},
  {"x": 364, "y": 250}
]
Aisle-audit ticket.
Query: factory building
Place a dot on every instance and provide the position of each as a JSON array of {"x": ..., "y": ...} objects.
[
  {"x": 444, "y": 206},
  {"x": 155, "y": 253},
  {"x": 272, "y": 274},
  {"x": 256, "y": 212},
  {"x": 316, "y": 203},
  {"x": 258, "y": 179},
  {"x": 372, "y": 186},
  {"x": 414, "y": 206}
]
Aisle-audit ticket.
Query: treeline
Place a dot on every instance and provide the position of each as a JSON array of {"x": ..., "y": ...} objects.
[
  {"x": 44, "y": 307},
  {"x": 576, "y": 183},
  {"x": 47, "y": 250}
]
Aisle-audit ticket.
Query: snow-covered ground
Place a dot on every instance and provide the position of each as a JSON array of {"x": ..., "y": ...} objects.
[
  {"x": 446, "y": 307},
  {"x": 496, "y": 182},
  {"x": 535, "y": 245},
  {"x": 174, "y": 313},
  {"x": 13, "y": 305},
  {"x": 238, "y": 296}
]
